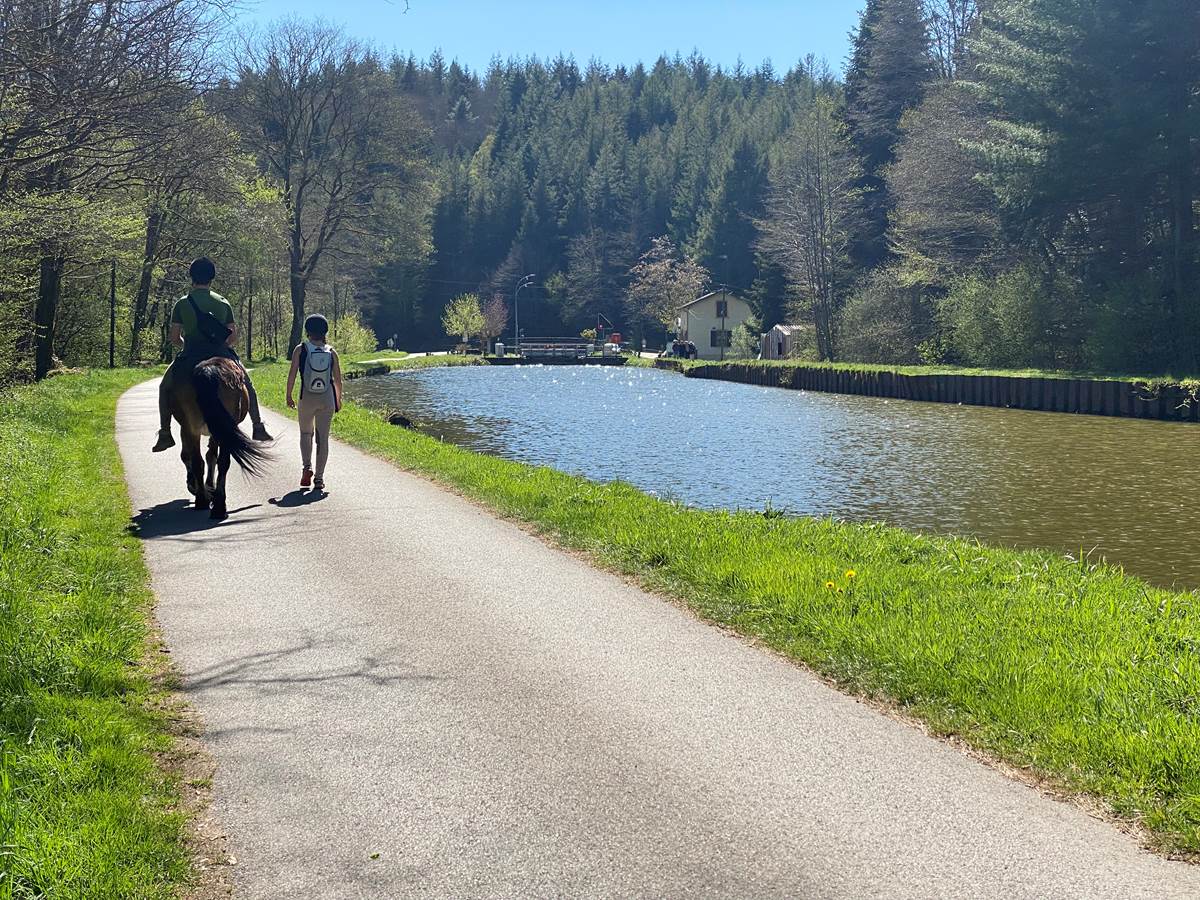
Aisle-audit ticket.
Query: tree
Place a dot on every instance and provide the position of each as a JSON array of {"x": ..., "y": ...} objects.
[
  {"x": 464, "y": 316},
  {"x": 202, "y": 193},
  {"x": 662, "y": 281},
  {"x": 889, "y": 69},
  {"x": 810, "y": 212},
  {"x": 1095, "y": 112},
  {"x": 725, "y": 241},
  {"x": 599, "y": 258},
  {"x": 495, "y": 318},
  {"x": 324, "y": 121},
  {"x": 946, "y": 220},
  {"x": 89, "y": 91},
  {"x": 950, "y": 23}
]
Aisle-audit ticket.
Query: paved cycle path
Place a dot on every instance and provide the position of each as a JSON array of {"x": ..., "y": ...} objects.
[{"x": 407, "y": 696}]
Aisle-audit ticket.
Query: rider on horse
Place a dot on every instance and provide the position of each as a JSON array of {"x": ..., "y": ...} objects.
[{"x": 190, "y": 329}]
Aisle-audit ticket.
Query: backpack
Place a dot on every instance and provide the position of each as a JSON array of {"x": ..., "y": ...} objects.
[{"x": 316, "y": 368}]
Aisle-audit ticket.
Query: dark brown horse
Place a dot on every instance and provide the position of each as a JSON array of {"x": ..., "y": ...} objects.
[{"x": 213, "y": 401}]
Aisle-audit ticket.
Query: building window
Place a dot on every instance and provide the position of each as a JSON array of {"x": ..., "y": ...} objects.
[
  {"x": 722, "y": 309},
  {"x": 718, "y": 338}
]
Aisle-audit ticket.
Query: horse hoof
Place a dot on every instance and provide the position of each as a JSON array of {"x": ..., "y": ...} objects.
[
  {"x": 218, "y": 515},
  {"x": 201, "y": 503}
]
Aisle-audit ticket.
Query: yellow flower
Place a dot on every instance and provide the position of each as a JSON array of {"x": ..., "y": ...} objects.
[
  {"x": 830, "y": 585},
  {"x": 850, "y": 573}
]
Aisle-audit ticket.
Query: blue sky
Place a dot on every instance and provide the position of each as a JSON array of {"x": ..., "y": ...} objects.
[{"x": 617, "y": 31}]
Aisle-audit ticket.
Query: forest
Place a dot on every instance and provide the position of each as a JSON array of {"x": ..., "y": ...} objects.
[{"x": 1006, "y": 183}]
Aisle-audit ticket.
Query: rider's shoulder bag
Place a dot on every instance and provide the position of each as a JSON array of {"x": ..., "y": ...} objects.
[{"x": 210, "y": 326}]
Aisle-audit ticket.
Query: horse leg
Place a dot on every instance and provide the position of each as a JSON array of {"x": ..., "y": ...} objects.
[
  {"x": 210, "y": 459},
  {"x": 219, "y": 508},
  {"x": 196, "y": 468},
  {"x": 186, "y": 455}
]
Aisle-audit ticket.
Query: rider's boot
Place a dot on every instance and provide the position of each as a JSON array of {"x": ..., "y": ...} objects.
[
  {"x": 261, "y": 433},
  {"x": 165, "y": 441}
]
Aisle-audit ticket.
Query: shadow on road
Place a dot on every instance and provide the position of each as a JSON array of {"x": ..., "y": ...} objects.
[
  {"x": 313, "y": 661},
  {"x": 177, "y": 517},
  {"x": 298, "y": 497}
]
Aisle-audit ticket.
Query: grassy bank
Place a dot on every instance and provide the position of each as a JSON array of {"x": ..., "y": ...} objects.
[
  {"x": 84, "y": 811},
  {"x": 1078, "y": 672},
  {"x": 358, "y": 366},
  {"x": 1189, "y": 384}
]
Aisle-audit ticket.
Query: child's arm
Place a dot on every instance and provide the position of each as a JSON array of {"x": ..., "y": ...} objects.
[
  {"x": 292, "y": 376},
  {"x": 337, "y": 382}
]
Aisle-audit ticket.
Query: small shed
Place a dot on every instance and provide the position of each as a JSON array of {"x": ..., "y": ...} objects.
[{"x": 782, "y": 340}]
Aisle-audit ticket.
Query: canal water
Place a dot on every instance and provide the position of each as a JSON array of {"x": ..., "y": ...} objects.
[{"x": 1123, "y": 489}]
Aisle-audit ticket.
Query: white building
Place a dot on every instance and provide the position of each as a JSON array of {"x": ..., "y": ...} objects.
[
  {"x": 708, "y": 322},
  {"x": 780, "y": 341}
]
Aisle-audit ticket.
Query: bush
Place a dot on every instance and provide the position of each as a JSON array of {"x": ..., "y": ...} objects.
[
  {"x": 350, "y": 336},
  {"x": 1130, "y": 329},
  {"x": 1020, "y": 318},
  {"x": 747, "y": 340},
  {"x": 885, "y": 322}
]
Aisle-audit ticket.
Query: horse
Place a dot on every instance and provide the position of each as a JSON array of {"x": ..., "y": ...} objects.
[{"x": 213, "y": 401}]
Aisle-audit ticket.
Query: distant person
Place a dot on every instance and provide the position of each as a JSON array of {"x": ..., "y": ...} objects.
[
  {"x": 320, "y": 372},
  {"x": 391, "y": 343},
  {"x": 395, "y": 342},
  {"x": 202, "y": 325}
]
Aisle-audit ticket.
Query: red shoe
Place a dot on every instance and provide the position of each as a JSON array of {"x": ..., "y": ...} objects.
[{"x": 306, "y": 478}]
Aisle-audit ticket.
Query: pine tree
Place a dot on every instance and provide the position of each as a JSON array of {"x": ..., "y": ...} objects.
[
  {"x": 725, "y": 242},
  {"x": 890, "y": 68},
  {"x": 1095, "y": 121}
]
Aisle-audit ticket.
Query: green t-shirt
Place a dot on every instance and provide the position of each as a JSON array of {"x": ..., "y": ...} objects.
[{"x": 207, "y": 300}]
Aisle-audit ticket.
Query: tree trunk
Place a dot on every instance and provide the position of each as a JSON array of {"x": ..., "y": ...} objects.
[
  {"x": 49, "y": 293},
  {"x": 141, "y": 300},
  {"x": 298, "y": 287}
]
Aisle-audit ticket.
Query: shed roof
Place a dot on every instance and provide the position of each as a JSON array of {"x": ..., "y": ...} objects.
[{"x": 791, "y": 329}]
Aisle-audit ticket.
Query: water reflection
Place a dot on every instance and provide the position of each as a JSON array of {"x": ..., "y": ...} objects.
[{"x": 1115, "y": 487}]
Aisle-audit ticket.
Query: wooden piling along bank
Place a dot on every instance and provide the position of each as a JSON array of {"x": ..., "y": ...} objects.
[{"x": 1140, "y": 400}]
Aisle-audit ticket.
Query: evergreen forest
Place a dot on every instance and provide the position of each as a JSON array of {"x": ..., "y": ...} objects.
[{"x": 1004, "y": 183}]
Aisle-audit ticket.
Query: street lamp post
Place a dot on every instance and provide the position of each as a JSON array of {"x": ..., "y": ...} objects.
[{"x": 525, "y": 282}]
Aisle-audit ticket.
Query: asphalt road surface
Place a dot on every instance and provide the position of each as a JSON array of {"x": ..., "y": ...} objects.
[{"x": 407, "y": 696}]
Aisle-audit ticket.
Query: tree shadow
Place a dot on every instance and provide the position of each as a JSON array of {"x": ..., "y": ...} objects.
[
  {"x": 298, "y": 497},
  {"x": 177, "y": 517},
  {"x": 266, "y": 670}
]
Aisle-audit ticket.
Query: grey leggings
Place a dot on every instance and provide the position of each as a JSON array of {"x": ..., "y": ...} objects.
[{"x": 316, "y": 415}]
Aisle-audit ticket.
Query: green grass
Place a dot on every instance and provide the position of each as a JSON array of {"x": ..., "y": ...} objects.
[
  {"x": 1077, "y": 671},
  {"x": 84, "y": 809},
  {"x": 1191, "y": 382}
]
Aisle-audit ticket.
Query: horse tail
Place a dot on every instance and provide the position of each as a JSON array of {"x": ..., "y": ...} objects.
[{"x": 208, "y": 378}]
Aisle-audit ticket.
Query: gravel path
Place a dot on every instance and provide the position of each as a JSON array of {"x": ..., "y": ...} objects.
[{"x": 409, "y": 697}]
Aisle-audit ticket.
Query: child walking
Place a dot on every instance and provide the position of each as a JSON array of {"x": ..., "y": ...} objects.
[{"x": 320, "y": 396}]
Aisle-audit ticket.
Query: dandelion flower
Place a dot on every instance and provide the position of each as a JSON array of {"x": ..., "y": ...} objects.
[
  {"x": 830, "y": 585},
  {"x": 850, "y": 573}
]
